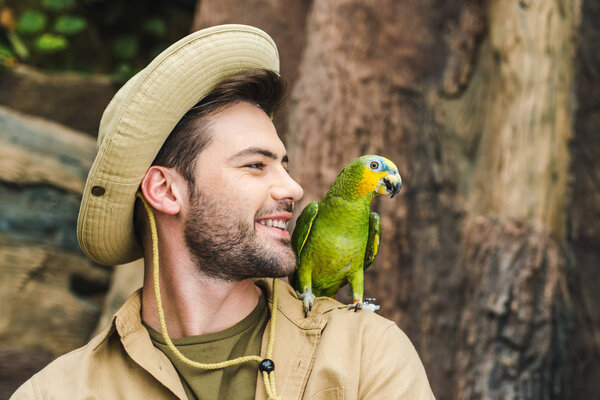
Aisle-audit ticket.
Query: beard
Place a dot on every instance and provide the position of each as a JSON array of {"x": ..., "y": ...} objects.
[{"x": 227, "y": 248}]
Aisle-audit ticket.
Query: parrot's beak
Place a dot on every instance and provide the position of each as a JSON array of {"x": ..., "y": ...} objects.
[{"x": 390, "y": 184}]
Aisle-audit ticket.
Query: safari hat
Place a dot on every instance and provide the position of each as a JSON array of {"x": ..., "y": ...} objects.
[{"x": 141, "y": 116}]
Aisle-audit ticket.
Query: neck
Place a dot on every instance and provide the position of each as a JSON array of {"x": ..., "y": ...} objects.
[{"x": 193, "y": 304}]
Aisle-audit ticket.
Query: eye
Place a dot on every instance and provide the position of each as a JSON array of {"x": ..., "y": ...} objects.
[
  {"x": 374, "y": 165},
  {"x": 257, "y": 165}
]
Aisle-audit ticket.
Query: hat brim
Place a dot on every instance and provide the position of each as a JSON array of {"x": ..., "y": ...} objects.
[{"x": 141, "y": 116}]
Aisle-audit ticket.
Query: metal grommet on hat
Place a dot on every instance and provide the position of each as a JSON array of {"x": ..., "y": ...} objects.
[
  {"x": 98, "y": 191},
  {"x": 140, "y": 118}
]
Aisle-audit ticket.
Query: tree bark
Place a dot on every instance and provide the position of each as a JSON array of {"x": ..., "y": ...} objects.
[
  {"x": 584, "y": 213},
  {"x": 514, "y": 321},
  {"x": 510, "y": 132},
  {"x": 365, "y": 84},
  {"x": 283, "y": 20},
  {"x": 473, "y": 259}
]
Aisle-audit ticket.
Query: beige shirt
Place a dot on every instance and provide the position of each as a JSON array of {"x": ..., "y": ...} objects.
[{"x": 332, "y": 354}]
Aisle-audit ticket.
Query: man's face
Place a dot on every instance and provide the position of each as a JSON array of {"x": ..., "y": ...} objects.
[{"x": 236, "y": 218}]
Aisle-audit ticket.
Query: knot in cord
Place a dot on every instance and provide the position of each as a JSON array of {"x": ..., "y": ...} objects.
[{"x": 268, "y": 373}]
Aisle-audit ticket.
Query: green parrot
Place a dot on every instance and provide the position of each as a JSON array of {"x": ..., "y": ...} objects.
[{"x": 337, "y": 238}]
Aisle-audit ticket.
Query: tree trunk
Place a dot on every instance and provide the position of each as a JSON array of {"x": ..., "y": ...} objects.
[
  {"x": 283, "y": 20},
  {"x": 365, "y": 87},
  {"x": 472, "y": 263},
  {"x": 584, "y": 213},
  {"x": 510, "y": 131}
]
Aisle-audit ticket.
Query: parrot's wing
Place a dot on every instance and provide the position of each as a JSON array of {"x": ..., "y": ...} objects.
[
  {"x": 303, "y": 225},
  {"x": 374, "y": 239}
]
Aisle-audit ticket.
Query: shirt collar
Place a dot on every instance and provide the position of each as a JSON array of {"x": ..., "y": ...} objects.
[
  {"x": 128, "y": 318},
  {"x": 127, "y": 322}
]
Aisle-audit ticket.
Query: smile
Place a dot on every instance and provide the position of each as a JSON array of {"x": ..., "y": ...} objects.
[{"x": 277, "y": 223}]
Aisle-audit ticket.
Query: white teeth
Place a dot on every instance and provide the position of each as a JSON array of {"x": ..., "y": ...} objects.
[{"x": 276, "y": 223}]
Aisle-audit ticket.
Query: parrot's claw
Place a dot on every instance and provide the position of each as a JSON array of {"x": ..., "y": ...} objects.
[
  {"x": 307, "y": 300},
  {"x": 355, "y": 306}
]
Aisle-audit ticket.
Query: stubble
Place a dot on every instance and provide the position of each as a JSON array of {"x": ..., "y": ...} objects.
[{"x": 227, "y": 248}]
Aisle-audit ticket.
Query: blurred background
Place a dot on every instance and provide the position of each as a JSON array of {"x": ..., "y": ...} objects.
[{"x": 490, "y": 258}]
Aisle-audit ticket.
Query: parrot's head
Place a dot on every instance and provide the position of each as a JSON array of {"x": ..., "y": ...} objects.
[{"x": 376, "y": 176}]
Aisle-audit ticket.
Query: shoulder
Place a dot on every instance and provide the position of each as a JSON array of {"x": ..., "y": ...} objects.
[
  {"x": 364, "y": 330},
  {"x": 346, "y": 333},
  {"x": 375, "y": 350},
  {"x": 63, "y": 375},
  {"x": 362, "y": 322},
  {"x": 332, "y": 316}
]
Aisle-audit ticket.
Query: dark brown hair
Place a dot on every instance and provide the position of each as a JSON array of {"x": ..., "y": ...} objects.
[{"x": 193, "y": 132}]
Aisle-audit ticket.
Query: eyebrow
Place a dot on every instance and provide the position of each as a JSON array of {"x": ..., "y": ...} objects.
[{"x": 250, "y": 151}]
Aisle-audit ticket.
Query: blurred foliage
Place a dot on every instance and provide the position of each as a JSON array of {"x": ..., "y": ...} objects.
[
  {"x": 125, "y": 47},
  {"x": 70, "y": 25},
  {"x": 48, "y": 43},
  {"x": 31, "y": 22},
  {"x": 57, "y": 5},
  {"x": 95, "y": 36}
]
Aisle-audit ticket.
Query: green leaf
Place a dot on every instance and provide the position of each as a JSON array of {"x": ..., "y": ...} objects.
[
  {"x": 49, "y": 43},
  {"x": 70, "y": 24},
  {"x": 17, "y": 45},
  {"x": 123, "y": 72},
  {"x": 155, "y": 26},
  {"x": 31, "y": 21},
  {"x": 5, "y": 52},
  {"x": 125, "y": 47},
  {"x": 57, "y": 5}
]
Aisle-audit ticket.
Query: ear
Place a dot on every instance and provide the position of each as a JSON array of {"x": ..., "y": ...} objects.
[{"x": 162, "y": 188}]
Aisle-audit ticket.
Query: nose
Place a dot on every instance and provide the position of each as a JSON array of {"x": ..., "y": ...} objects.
[{"x": 287, "y": 188}]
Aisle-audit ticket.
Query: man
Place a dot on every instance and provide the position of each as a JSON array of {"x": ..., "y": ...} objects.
[{"x": 191, "y": 134}]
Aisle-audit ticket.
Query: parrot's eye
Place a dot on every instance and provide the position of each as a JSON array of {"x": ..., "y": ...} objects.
[{"x": 374, "y": 165}]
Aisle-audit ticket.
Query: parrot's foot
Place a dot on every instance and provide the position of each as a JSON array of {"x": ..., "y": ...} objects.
[
  {"x": 367, "y": 305},
  {"x": 357, "y": 305},
  {"x": 308, "y": 298}
]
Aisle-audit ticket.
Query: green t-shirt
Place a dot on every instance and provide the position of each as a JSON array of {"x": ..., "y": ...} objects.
[{"x": 242, "y": 339}]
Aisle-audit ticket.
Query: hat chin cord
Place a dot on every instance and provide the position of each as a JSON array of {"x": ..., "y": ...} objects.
[{"x": 266, "y": 366}]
